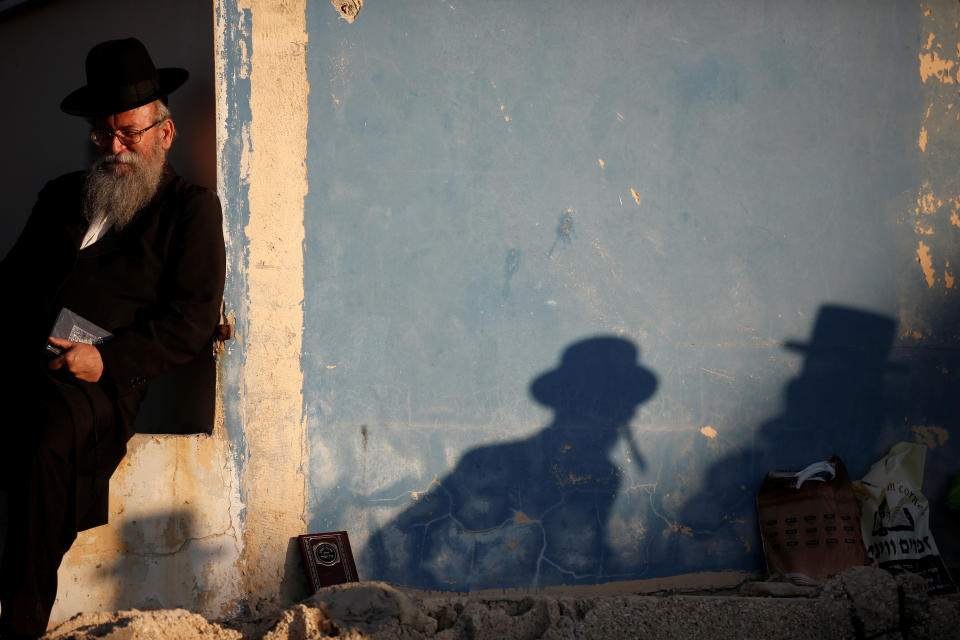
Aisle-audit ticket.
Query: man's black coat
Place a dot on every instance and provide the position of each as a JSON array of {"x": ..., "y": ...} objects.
[{"x": 156, "y": 285}]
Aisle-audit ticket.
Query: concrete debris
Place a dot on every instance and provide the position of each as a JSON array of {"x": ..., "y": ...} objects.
[
  {"x": 874, "y": 599},
  {"x": 888, "y": 607},
  {"x": 863, "y": 602},
  {"x": 778, "y": 589},
  {"x": 914, "y": 606},
  {"x": 944, "y": 619}
]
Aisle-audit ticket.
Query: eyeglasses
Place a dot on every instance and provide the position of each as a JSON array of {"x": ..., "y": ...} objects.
[{"x": 103, "y": 137}]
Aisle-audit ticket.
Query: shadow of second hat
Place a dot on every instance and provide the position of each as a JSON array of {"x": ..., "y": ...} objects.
[{"x": 851, "y": 335}]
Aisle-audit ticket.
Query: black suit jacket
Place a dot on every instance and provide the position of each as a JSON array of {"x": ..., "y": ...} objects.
[{"x": 156, "y": 285}]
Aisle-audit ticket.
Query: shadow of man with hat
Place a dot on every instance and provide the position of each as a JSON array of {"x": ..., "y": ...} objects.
[
  {"x": 116, "y": 277},
  {"x": 836, "y": 405},
  {"x": 838, "y": 402},
  {"x": 532, "y": 512}
]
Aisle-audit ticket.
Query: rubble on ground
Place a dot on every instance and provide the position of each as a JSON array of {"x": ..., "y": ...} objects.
[
  {"x": 863, "y": 602},
  {"x": 165, "y": 624}
]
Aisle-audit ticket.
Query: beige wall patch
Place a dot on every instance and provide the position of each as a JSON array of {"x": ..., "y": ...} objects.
[
  {"x": 273, "y": 485},
  {"x": 931, "y": 437},
  {"x": 926, "y": 263},
  {"x": 709, "y": 432},
  {"x": 348, "y": 9}
]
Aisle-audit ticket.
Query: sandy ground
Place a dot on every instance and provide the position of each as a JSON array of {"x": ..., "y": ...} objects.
[{"x": 861, "y": 603}]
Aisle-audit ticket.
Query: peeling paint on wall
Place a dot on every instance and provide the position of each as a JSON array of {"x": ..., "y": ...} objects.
[
  {"x": 348, "y": 9},
  {"x": 926, "y": 263},
  {"x": 709, "y": 432},
  {"x": 933, "y": 213},
  {"x": 275, "y": 162},
  {"x": 933, "y": 66},
  {"x": 926, "y": 202},
  {"x": 930, "y": 436}
]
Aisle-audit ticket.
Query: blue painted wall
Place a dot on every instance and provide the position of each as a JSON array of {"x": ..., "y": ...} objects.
[
  {"x": 234, "y": 194},
  {"x": 552, "y": 247}
]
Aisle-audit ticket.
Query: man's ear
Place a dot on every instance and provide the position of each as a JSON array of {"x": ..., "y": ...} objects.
[{"x": 167, "y": 133}]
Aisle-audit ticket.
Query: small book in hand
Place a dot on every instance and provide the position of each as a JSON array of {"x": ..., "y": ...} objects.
[{"x": 75, "y": 328}]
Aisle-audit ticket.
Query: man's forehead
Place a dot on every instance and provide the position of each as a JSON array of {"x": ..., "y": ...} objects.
[{"x": 141, "y": 116}]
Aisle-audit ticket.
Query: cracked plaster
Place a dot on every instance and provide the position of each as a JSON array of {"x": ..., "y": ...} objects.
[{"x": 172, "y": 536}]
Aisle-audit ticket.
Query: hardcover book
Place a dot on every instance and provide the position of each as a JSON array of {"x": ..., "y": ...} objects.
[{"x": 328, "y": 559}]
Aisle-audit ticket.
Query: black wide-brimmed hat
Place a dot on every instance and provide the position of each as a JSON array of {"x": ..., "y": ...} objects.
[{"x": 120, "y": 77}]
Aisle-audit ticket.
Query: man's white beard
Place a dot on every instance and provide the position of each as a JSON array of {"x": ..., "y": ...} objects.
[{"x": 119, "y": 197}]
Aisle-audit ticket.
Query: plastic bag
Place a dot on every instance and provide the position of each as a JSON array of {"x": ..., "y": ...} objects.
[
  {"x": 895, "y": 517},
  {"x": 809, "y": 523}
]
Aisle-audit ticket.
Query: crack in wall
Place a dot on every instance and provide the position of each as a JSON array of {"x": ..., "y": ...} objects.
[
  {"x": 183, "y": 545},
  {"x": 518, "y": 516}
]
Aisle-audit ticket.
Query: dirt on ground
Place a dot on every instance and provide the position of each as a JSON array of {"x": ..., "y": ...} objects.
[{"x": 863, "y": 602}]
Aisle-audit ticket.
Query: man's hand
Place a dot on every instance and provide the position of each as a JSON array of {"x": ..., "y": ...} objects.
[{"x": 81, "y": 360}]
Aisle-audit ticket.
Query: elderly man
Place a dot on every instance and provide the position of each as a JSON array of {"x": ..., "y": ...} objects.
[{"x": 135, "y": 250}]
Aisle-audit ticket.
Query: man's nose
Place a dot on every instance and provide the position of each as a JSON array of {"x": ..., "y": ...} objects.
[{"x": 116, "y": 146}]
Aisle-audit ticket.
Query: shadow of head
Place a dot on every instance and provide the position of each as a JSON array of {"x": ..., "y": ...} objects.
[
  {"x": 845, "y": 365},
  {"x": 848, "y": 344},
  {"x": 598, "y": 383}
]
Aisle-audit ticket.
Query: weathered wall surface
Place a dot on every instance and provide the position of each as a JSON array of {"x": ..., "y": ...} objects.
[
  {"x": 742, "y": 193},
  {"x": 173, "y": 539},
  {"x": 264, "y": 116},
  {"x": 532, "y": 295}
]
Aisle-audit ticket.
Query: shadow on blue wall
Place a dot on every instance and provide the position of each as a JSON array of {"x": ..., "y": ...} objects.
[
  {"x": 537, "y": 512},
  {"x": 532, "y": 512},
  {"x": 836, "y": 405}
]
